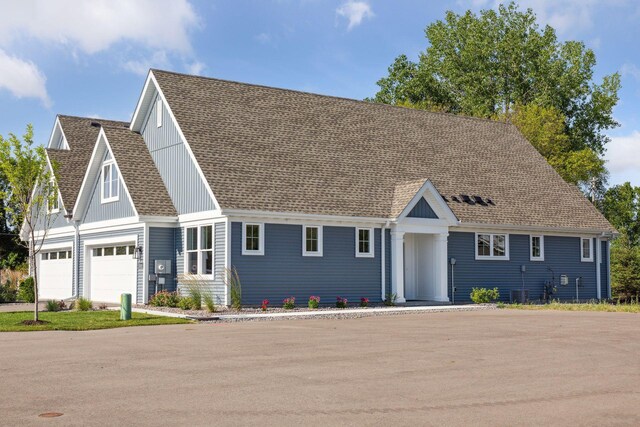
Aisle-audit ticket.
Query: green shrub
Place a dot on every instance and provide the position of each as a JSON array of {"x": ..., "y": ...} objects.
[
  {"x": 165, "y": 299},
  {"x": 83, "y": 304},
  {"x": 484, "y": 295},
  {"x": 7, "y": 293},
  {"x": 186, "y": 303},
  {"x": 314, "y": 302},
  {"x": 390, "y": 299},
  {"x": 341, "y": 302},
  {"x": 289, "y": 303},
  {"x": 53, "y": 305},
  {"x": 209, "y": 302},
  {"x": 26, "y": 291}
]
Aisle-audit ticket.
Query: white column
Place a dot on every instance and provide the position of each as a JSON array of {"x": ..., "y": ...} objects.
[
  {"x": 397, "y": 265},
  {"x": 598, "y": 276},
  {"x": 440, "y": 267}
]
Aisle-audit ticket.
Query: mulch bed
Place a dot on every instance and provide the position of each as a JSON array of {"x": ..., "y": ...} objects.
[{"x": 34, "y": 322}]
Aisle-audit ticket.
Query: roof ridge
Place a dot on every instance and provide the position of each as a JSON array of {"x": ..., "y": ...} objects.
[
  {"x": 342, "y": 98},
  {"x": 97, "y": 119}
]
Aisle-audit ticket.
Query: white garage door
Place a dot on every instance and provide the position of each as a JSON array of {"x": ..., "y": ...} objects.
[
  {"x": 113, "y": 272},
  {"x": 56, "y": 274}
]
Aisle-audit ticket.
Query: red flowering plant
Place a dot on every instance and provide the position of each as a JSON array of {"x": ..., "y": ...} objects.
[
  {"x": 265, "y": 304},
  {"x": 314, "y": 301},
  {"x": 341, "y": 302},
  {"x": 289, "y": 303},
  {"x": 364, "y": 302}
]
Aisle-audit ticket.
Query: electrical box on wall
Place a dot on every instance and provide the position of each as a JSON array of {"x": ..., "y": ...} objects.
[{"x": 163, "y": 266}]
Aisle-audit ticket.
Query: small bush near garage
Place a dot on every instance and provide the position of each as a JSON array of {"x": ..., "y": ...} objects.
[
  {"x": 7, "y": 293},
  {"x": 83, "y": 304},
  {"x": 484, "y": 295},
  {"x": 53, "y": 305},
  {"x": 25, "y": 291},
  {"x": 165, "y": 299}
]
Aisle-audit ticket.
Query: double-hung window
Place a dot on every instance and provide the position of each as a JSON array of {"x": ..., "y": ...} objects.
[
  {"x": 53, "y": 203},
  {"x": 586, "y": 249},
  {"x": 110, "y": 182},
  {"x": 252, "y": 239},
  {"x": 311, "y": 240},
  {"x": 199, "y": 250},
  {"x": 492, "y": 246},
  {"x": 536, "y": 245},
  {"x": 364, "y": 243}
]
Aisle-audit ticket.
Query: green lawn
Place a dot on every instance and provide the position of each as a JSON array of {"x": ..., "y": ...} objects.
[
  {"x": 567, "y": 306},
  {"x": 81, "y": 320}
]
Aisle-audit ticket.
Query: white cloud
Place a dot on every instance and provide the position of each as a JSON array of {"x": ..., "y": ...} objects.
[
  {"x": 623, "y": 153},
  {"x": 196, "y": 68},
  {"x": 96, "y": 25},
  {"x": 141, "y": 66},
  {"x": 22, "y": 78},
  {"x": 630, "y": 70},
  {"x": 355, "y": 12}
]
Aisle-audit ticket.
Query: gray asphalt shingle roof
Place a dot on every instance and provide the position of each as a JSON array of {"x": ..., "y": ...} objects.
[{"x": 268, "y": 149}]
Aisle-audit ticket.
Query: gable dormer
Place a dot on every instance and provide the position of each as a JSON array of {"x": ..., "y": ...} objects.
[{"x": 57, "y": 140}]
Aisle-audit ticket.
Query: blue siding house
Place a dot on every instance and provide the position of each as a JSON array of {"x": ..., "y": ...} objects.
[{"x": 305, "y": 194}]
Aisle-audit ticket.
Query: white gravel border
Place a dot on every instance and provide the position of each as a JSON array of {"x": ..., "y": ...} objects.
[{"x": 331, "y": 314}]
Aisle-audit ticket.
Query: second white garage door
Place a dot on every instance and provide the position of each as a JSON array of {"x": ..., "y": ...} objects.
[
  {"x": 113, "y": 272},
  {"x": 55, "y": 271}
]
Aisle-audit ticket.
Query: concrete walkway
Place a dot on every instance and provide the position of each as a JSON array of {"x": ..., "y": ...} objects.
[{"x": 349, "y": 312}]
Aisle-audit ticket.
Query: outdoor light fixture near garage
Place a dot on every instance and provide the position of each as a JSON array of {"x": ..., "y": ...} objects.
[{"x": 137, "y": 253}]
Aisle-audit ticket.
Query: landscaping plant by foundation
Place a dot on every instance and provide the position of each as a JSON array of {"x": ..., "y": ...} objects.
[
  {"x": 232, "y": 282},
  {"x": 484, "y": 295},
  {"x": 390, "y": 300},
  {"x": 165, "y": 299},
  {"x": 265, "y": 304},
  {"x": 289, "y": 303},
  {"x": 341, "y": 302},
  {"x": 364, "y": 302},
  {"x": 314, "y": 302},
  {"x": 208, "y": 302},
  {"x": 83, "y": 304},
  {"x": 53, "y": 305}
]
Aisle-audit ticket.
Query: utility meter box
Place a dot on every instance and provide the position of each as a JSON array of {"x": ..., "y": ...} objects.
[
  {"x": 564, "y": 280},
  {"x": 163, "y": 266}
]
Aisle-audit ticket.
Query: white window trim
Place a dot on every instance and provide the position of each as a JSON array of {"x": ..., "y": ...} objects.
[
  {"x": 199, "y": 251},
  {"x": 590, "y": 258},
  {"x": 372, "y": 240},
  {"x": 534, "y": 258},
  {"x": 491, "y": 256},
  {"x": 304, "y": 241},
  {"x": 260, "y": 250},
  {"x": 112, "y": 164},
  {"x": 56, "y": 209},
  {"x": 159, "y": 112}
]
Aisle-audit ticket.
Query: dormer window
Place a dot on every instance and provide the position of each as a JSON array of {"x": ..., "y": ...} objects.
[{"x": 110, "y": 187}]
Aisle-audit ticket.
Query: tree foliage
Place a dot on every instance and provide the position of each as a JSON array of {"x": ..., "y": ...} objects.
[
  {"x": 29, "y": 190},
  {"x": 498, "y": 62},
  {"x": 625, "y": 268},
  {"x": 621, "y": 206}
]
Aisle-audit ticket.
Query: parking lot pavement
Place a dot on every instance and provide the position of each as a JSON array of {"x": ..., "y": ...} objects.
[{"x": 497, "y": 367}]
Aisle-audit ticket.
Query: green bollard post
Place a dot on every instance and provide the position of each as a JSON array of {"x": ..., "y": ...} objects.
[{"x": 125, "y": 307}]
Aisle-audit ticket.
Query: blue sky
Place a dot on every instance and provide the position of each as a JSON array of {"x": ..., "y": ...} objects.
[{"x": 89, "y": 58}]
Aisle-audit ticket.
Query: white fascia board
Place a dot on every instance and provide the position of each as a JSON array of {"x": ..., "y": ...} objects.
[
  {"x": 238, "y": 215},
  {"x": 111, "y": 225},
  {"x": 158, "y": 219},
  {"x": 140, "y": 113},
  {"x": 103, "y": 135},
  {"x": 433, "y": 197},
  {"x": 199, "y": 216},
  {"x": 60, "y": 245},
  {"x": 142, "y": 106},
  {"x": 113, "y": 240},
  {"x": 68, "y": 231},
  {"x": 522, "y": 229}
]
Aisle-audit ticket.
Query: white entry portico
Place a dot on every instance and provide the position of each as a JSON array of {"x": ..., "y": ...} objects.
[{"x": 419, "y": 250}]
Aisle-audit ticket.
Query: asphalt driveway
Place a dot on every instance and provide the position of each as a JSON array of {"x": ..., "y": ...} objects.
[{"x": 490, "y": 368}]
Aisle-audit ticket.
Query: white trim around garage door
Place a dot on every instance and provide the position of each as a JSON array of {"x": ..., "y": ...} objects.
[{"x": 88, "y": 245}]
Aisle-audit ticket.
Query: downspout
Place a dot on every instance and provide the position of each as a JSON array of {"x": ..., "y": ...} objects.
[
  {"x": 598, "y": 270},
  {"x": 383, "y": 264}
]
